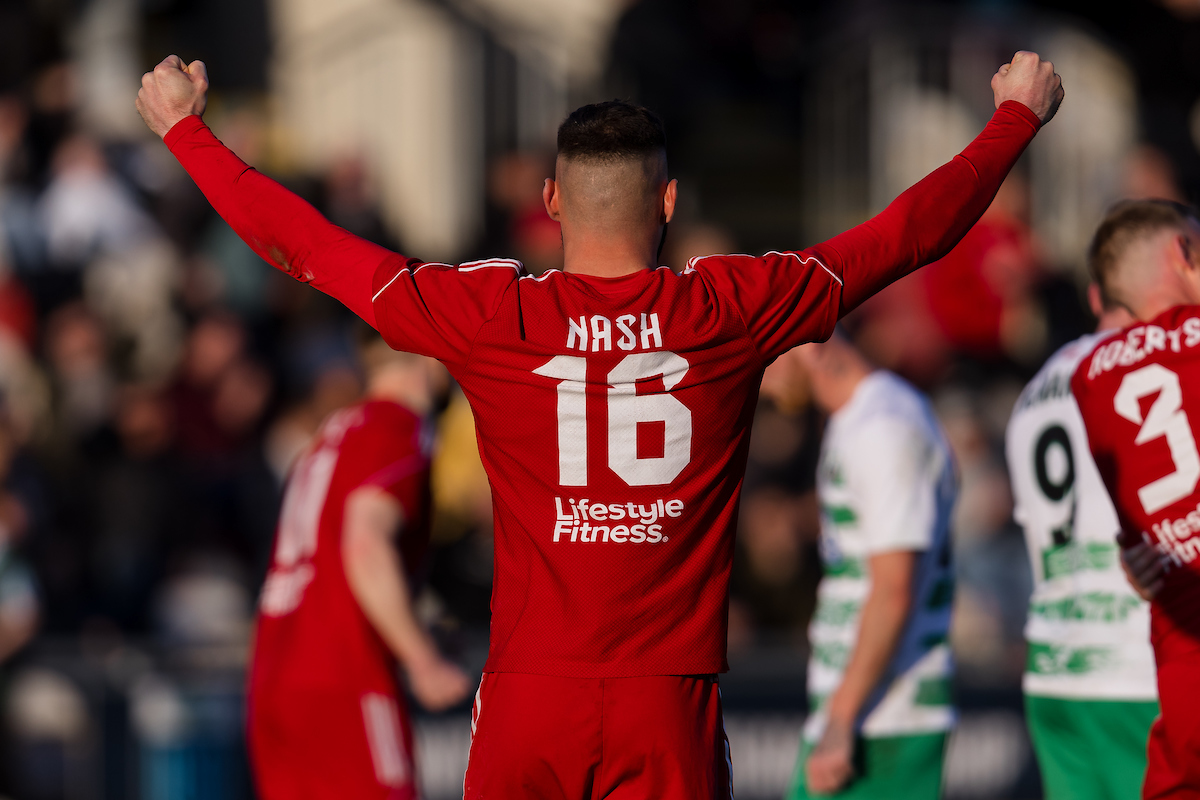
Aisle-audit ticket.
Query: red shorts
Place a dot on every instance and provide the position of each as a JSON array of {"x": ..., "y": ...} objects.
[
  {"x": 1173, "y": 762},
  {"x": 554, "y": 738},
  {"x": 318, "y": 746}
]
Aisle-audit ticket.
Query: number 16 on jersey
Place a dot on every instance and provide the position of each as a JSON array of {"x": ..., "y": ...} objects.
[{"x": 626, "y": 410}]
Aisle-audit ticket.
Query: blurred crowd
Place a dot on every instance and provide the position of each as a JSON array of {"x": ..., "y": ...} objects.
[{"x": 157, "y": 379}]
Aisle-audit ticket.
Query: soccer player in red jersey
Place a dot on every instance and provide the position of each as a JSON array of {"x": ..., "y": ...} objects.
[
  {"x": 613, "y": 402},
  {"x": 326, "y": 717},
  {"x": 1139, "y": 393}
]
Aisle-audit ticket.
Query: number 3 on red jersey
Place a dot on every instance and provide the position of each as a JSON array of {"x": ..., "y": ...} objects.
[
  {"x": 626, "y": 408},
  {"x": 1165, "y": 418}
]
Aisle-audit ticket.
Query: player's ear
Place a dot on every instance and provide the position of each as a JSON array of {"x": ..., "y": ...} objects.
[
  {"x": 669, "y": 197},
  {"x": 551, "y": 200}
]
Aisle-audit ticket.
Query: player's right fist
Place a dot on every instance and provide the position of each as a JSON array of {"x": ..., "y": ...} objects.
[
  {"x": 171, "y": 92},
  {"x": 437, "y": 684},
  {"x": 1031, "y": 81}
]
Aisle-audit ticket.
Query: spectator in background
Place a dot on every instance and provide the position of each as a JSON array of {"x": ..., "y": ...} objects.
[
  {"x": 82, "y": 384},
  {"x": 137, "y": 512},
  {"x": 519, "y": 221},
  {"x": 349, "y": 201},
  {"x": 18, "y": 317},
  {"x": 771, "y": 584},
  {"x": 879, "y": 674},
  {"x": 19, "y": 515},
  {"x": 85, "y": 212},
  {"x": 214, "y": 351},
  {"x": 981, "y": 294},
  {"x": 991, "y": 564},
  {"x": 1149, "y": 173}
]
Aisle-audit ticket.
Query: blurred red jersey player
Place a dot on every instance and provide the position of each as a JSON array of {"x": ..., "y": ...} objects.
[
  {"x": 326, "y": 717},
  {"x": 1139, "y": 394},
  {"x": 613, "y": 402}
]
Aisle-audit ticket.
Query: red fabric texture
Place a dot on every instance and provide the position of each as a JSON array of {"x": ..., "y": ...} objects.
[
  {"x": 315, "y": 653},
  {"x": 558, "y": 738},
  {"x": 1173, "y": 752},
  {"x": 1128, "y": 467},
  {"x": 1151, "y": 372},
  {"x": 632, "y": 397},
  {"x": 317, "y": 746}
]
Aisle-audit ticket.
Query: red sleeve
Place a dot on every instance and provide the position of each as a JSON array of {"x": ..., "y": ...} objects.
[
  {"x": 431, "y": 309},
  {"x": 925, "y": 222},
  {"x": 279, "y": 226}
]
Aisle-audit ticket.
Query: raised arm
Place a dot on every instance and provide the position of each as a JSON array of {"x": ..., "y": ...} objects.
[
  {"x": 283, "y": 229},
  {"x": 925, "y": 222}
]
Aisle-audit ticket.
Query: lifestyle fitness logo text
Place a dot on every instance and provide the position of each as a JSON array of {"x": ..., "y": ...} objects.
[{"x": 635, "y": 523}]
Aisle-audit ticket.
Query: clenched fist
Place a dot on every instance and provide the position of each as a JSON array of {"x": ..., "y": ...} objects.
[
  {"x": 171, "y": 92},
  {"x": 1029, "y": 80}
]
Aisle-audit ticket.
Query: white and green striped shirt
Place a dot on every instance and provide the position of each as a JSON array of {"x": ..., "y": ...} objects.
[
  {"x": 886, "y": 482},
  {"x": 1088, "y": 633}
]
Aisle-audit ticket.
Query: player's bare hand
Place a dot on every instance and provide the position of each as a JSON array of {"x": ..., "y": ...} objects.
[
  {"x": 437, "y": 683},
  {"x": 1145, "y": 569},
  {"x": 830, "y": 766},
  {"x": 172, "y": 91},
  {"x": 1030, "y": 80}
]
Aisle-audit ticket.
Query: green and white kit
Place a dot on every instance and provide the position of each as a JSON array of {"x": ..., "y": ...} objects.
[
  {"x": 1088, "y": 633},
  {"x": 1090, "y": 692},
  {"x": 886, "y": 482}
]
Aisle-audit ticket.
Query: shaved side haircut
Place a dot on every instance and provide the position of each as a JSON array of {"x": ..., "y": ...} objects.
[
  {"x": 612, "y": 160},
  {"x": 1126, "y": 224}
]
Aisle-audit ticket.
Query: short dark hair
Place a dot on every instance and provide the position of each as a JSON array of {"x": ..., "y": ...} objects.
[
  {"x": 612, "y": 129},
  {"x": 1125, "y": 223}
]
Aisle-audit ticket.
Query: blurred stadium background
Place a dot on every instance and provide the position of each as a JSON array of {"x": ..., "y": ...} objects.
[{"x": 157, "y": 378}]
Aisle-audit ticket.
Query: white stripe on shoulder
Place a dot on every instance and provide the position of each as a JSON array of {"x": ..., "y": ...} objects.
[
  {"x": 805, "y": 261},
  {"x": 540, "y": 278},
  {"x": 470, "y": 266},
  {"x": 511, "y": 263},
  {"x": 383, "y": 289},
  {"x": 691, "y": 265}
]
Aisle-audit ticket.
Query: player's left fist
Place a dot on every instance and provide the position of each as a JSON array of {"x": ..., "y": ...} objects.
[
  {"x": 1032, "y": 81},
  {"x": 171, "y": 92}
]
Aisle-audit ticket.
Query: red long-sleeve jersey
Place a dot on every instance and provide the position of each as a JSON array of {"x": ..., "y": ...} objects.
[{"x": 613, "y": 414}]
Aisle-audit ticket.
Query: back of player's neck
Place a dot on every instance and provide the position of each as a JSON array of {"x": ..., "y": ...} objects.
[
  {"x": 607, "y": 257},
  {"x": 1160, "y": 305}
]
